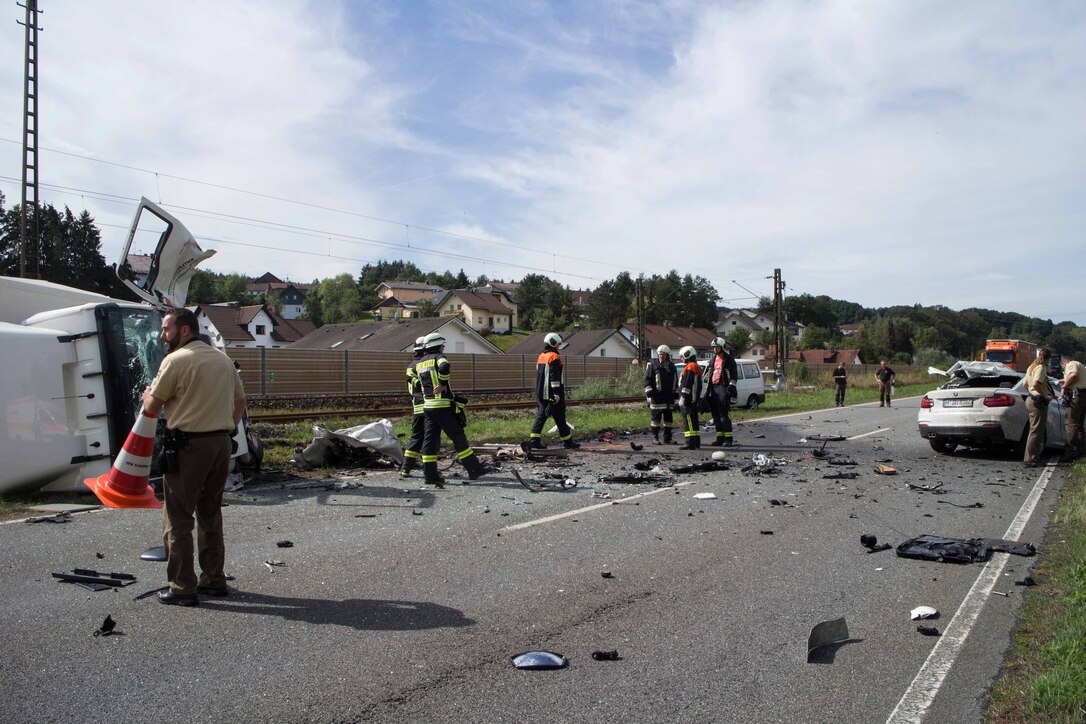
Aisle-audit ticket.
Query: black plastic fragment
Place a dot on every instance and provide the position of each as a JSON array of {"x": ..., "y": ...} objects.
[
  {"x": 107, "y": 627},
  {"x": 928, "y": 630},
  {"x": 285, "y": 544},
  {"x": 605, "y": 655}
]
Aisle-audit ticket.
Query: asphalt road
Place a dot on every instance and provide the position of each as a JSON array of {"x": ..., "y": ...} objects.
[{"x": 402, "y": 604}]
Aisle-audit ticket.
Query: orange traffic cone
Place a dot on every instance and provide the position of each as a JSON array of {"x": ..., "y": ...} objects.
[{"x": 126, "y": 485}]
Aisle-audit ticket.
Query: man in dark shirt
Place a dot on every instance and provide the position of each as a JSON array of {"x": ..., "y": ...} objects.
[
  {"x": 885, "y": 376},
  {"x": 840, "y": 382}
]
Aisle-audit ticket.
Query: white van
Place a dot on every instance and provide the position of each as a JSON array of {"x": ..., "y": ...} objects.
[{"x": 749, "y": 387}]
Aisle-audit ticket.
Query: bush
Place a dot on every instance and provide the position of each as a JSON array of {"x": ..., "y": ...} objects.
[
  {"x": 799, "y": 372},
  {"x": 630, "y": 384},
  {"x": 933, "y": 358}
]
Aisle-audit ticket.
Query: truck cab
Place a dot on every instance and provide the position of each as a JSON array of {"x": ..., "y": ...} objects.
[{"x": 75, "y": 363}]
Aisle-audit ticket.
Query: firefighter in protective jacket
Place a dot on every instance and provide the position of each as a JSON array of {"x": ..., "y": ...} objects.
[
  {"x": 719, "y": 382},
  {"x": 440, "y": 407},
  {"x": 418, "y": 416},
  {"x": 550, "y": 393},
  {"x": 660, "y": 388},
  {"x": 689, "y": 396}
]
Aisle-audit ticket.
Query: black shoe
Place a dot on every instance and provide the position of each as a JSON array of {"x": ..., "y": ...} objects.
[
  {"x": 728, "y": 442},
  {"x": 537, "y": 444},
  {"x": 570, "y": 445},
  {"x": 688, "y": 446},
  {"x": 1030, "y": 464},
  {"x": 476, "y": 473},
  {"x": 405, "y": 473},
  {"x": 437, "y": 482},
  {"x": 719, "y": 442},
  {"x": 216, "y": 591},
  {"x": 178, "y": 599}
]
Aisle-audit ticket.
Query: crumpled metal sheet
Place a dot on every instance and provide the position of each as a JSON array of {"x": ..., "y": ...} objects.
[{"x": 378, "y": 436}]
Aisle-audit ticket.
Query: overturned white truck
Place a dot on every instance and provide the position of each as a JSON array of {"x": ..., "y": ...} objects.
[{"x": 73, "y": 363}]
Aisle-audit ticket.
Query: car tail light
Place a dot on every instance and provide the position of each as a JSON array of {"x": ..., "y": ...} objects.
[
  {"x": 999, "y": 399},
  {"x": 926, "y": 402}
]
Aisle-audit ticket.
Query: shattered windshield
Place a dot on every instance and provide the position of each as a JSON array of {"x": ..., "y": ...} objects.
[
  {"x": 979, "y": 374},
  {"x": 143, "y": 350}
]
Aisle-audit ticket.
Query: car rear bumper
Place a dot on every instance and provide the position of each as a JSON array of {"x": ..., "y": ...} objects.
[{"x": 979, "y": 433}]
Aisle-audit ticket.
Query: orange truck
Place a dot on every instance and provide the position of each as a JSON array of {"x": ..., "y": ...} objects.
[{"x": 1014, "y": 353}]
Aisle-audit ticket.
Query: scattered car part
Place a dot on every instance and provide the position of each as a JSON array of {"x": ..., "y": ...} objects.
[
  {"x": 154, "y": 553},
  {"x": 824, "y": 634},
  {"x": 605, "y": 655},
  {"x": 107, "y": 627},
  {"x": 921, "y": 612},
  {"x": 539, "y": 660},
  {"x": 928, "y": 630},
  {"x": 704, "y": 496},
  {"x": 884, "y": 469},
  {"x": 284, "y": 544},
  {"x": 97, "y": 581},
  {"x": 957, "y": 550}
]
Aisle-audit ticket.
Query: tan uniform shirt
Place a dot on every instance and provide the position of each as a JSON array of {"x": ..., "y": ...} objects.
[
  {"x": 1073, "y": 367},
  {"x": 199, "y": 386},
  {"x": 1037, "y": 381}
]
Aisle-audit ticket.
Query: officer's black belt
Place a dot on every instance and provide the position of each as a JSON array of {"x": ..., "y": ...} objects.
[{"x": 211, "y": 433}]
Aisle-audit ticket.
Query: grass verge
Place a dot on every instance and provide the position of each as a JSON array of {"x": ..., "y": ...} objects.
[{"x": 1044, "y": 677}]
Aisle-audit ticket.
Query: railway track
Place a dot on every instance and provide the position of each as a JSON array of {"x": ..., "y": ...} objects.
[{"x": 402, "y": 410}]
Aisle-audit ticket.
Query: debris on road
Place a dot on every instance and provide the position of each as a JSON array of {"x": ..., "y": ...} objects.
[
  {"x": 95, "y": 581},
  {"x": 825, "y": 634},
  {"x": 272, "y": 564},
  {"x": 959, "y": 505},
  {"x": 285, "y": 544},
  {"x": 606, "y": 574},
  {"x": 704, "y": 496},
  {"x": 928, "y": 630},
  {"x": 957, "y": 550},
  {"x": 156, "y": 554},
  {"x": 884, "y": 469},
  {"x": 1027, "y": 581},
  {"x": 606, "y": 655},
  {"x": 841, "y": 476},
  {"x": 63, "y": 517},
  {"x": 926, "y": 488},
  {"x": 871, "y": 543},
  {"x": 703, "y": 467},
  {"x": 923, "y": 612},
  {"x": 107, "y": 627},
  {"x": 539, "y": 660},
  {"x": 361, "y": 446}
]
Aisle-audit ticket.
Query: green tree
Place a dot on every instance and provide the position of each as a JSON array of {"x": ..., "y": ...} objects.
[
  {"x": 739, "y": 339},
  {"x": 426, "y": 308},
  {"x": 202, "y": 288},
  {"x": 611, "y": 302},
  {"x": 814, "y": 337},
  {"x": 339, "y": 300},
  {"x": 232, "y": 288},
  {"x": 531, "y": 296},
  {"x": 313, "y": 310},
  {"x": 812, "y": 311}
]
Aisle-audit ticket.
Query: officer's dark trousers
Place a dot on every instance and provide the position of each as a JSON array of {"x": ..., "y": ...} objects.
[
  {"x": 414, "y": 443},
  {"x": 719, "y": 404}
]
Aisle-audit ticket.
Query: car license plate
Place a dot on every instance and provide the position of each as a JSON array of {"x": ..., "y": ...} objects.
[{"x": 957, "y": 403}]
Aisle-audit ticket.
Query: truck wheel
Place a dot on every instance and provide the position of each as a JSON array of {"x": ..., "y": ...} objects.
[
  {"x": 752, "y": 402},
  {"x": 940, "y": 445}
]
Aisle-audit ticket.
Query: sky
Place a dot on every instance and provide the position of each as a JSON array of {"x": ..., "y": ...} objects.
[{"x": 885, "y": 153}]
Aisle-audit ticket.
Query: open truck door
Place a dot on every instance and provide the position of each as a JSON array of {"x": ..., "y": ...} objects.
[{"x": 173, "y": 260}]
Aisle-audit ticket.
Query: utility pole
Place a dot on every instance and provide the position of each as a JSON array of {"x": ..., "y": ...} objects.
[
  {"x": 30, "y": 137},
  {"x": 640, "y": 320},
  {"x": 780, "y": 332}
]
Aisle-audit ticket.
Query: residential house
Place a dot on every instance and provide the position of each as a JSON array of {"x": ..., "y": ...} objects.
[
  {"x": 232, "y": 325},
  {"x": 397, "y": 336},
  {"x": 504, "y": 295},
  {"x": 140, "y": 265},
  {"x": 581, "y": 343},
  {"x": 400, "y": 300},
  {"x": 580, "y": 302},
  {"x": 481, "y": 311},
  {"x": 674, "y": 337},
  {"x": 287, "y": 297},
  {"x": 847, "y": 330}
]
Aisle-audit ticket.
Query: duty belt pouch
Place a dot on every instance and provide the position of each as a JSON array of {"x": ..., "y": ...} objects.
[{"x": 172, "y": 442}]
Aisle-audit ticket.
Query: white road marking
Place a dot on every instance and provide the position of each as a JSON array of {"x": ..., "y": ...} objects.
[
  {"x": 873, "y": 432},
  {"x": 609, "y": 503},
  {"x": 918, "y": 698}
]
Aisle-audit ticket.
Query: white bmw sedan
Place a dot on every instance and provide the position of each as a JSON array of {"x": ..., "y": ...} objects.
[{"x": 983, "y": 404}]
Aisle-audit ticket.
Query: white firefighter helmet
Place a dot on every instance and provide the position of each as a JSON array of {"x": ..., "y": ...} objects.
[
  {"x": 552, "y": 340},
  {"x": 663, "y": 349},
  {"x": 719, "y": 342},
  {"x": 688, "y": 353},
  {"x": 433, "y": 341},
  {"x": 419, "y": 343}
]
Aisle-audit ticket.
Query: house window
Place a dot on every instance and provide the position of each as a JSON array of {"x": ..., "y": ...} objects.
[
  {"x": 478, "y": 320},
  {"x": 260, "y": 329},
  {"x": 603, "y": 352}
]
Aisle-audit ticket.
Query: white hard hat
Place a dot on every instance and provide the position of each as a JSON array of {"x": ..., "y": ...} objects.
[
  {"x": 688, "y": 353},
  {"x": 663, "y": 349},
  {"x": 552, "y": 340}
]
